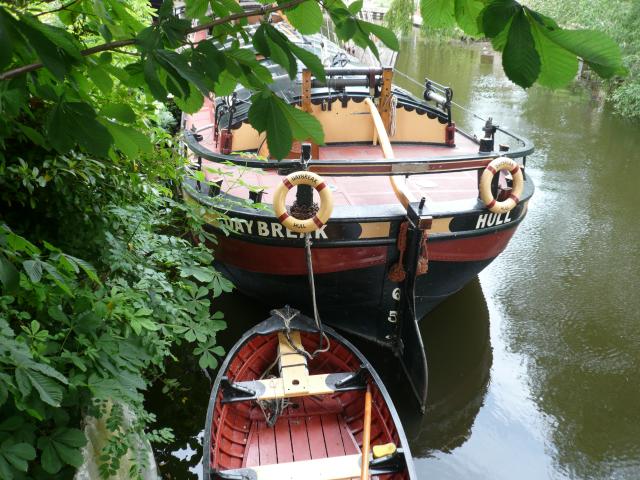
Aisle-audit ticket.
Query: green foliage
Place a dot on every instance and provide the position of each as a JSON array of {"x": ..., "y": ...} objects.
[
  {"x": 399, "y": 18},
  {"x": 97, "y": 288},
  {"x": 534, "y": 47},
  {"x": 306, "y": 17},
  {"x": 269, "y": 113},
  {"x": 619, "y": 20},
  {"x": 154, "y": 63}
]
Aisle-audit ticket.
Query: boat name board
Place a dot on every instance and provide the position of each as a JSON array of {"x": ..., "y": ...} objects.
[
  {"x": 491, "y": 219},
  {"x": 364, "y": 230},
  {"x": 265, "y": 229}
]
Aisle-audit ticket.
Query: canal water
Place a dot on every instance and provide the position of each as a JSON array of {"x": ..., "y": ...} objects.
[{"x": 534, "y": 366}]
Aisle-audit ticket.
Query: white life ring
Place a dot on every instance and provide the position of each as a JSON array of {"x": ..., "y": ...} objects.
[
  {"x": 497, "y": 164},
  {"x": 326, "y": 202}
]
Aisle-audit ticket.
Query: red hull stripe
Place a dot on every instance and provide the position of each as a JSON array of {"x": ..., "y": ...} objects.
[
  {"x": 491, "y": 169},
  {"x": 277, "y": 260},
  {"x": 470, "y": 249},
  {"x": 514, "y": 198},
  {"x": 287, "y": 183},
  {"x": 491, "y": 203},
  {"x": 283, "y": 217},
  {"x": 515, "y": 170},
  {"x": 317, "y": 221},
  {"x": 321, "y": 186}
]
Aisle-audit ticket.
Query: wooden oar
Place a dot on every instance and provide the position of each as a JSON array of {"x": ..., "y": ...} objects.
[{"x": 366, "y": 435}]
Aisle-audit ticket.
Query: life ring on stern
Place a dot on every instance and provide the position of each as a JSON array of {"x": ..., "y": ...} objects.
[
  {"x": 496, "y": 165},
  {"x": 326, "y": 202}
]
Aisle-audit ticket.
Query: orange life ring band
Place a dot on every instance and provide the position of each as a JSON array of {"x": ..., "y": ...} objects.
[
  {"x": 326, "y": 202},
  {"x": 497, "y": 164}
]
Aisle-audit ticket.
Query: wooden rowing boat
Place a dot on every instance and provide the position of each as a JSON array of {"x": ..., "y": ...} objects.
[{"x": 274, "y": 413}]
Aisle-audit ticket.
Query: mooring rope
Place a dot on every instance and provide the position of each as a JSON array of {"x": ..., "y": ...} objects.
[
  {"x": 289, "y": 314},
  {"x": 312, "y": 287},
  {"x": 394, "y": 112}
]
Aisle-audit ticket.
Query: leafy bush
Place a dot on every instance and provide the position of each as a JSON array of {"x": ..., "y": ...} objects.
[{"x": 75, "y": 334}]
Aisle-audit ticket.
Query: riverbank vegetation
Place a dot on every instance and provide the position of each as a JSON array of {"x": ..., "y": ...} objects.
[
  {"x": 580, "y": 21},
  {"x": 100, "y": 278},
  {"x": 620, "y": 20}
]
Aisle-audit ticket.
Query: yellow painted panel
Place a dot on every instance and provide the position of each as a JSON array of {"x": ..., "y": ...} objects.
[
  {"x": 375, "y": 229},
  {"x": 350, "y": 124},
  {"x": 246, "y": 138},
  {"x": 411, "y": 127},
  {"x": 441, "y": 225}
]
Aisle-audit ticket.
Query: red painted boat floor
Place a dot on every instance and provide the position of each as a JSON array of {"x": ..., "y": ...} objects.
[
  {"x": 313, "y": 429},
  {"x": 437, "y": 188}
]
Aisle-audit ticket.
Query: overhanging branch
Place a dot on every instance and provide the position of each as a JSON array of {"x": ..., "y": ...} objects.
[{"x": 132, "y": 41}]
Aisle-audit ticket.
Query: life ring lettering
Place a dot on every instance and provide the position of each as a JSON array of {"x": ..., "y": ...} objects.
[
  {"x": 295, "y": 224},
  {"x": 496, "y": 165}
]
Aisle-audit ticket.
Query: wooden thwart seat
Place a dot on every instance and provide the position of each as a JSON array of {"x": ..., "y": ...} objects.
[
  {"x": 294, "y": 380},
  {"x": 332, "y": 468}
]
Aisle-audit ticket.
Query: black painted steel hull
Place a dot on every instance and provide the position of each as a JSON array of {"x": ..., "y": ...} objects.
[{"x": 354, "y": 301}]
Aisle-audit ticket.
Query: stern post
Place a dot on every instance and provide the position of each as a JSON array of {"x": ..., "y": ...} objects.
[{"x": 409, "y": 347}]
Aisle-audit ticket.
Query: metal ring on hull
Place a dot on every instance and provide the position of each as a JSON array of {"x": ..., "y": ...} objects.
[
  {"x": 496, "y": 165},
  {"x": 326, "y": 202}
]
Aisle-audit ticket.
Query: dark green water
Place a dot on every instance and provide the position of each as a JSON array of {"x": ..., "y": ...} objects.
[{"x": 535, "y": 366}]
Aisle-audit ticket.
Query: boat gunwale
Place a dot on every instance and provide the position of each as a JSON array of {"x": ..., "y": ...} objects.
[
  {"x": 256, "y": 330},
  {"x": 240, "y": 211}
]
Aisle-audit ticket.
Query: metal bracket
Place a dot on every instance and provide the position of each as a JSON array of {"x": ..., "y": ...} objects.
[
  {"x": 357, "y": 381},
  {"x": 394, "y": 463},
  {"x": 417, "y": 217},
  {"x": 232, "y": 392}
]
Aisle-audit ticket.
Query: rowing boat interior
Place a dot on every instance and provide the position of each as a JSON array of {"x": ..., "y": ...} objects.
[{"x": 313, "y": 427}]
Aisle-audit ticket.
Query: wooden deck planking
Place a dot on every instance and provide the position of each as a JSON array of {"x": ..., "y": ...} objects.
[
  {"x": 252, "y": 453},
  {"x": 332, "y": 436},
  {"x": 348, "y": 440},
  {"x": 267, "y": 444},
  {"x": 299, "y": 439},
  {"x": 284, "y": 448},
  {"x": 301, "y": 434},
  {"x": 316, "y": 437}
]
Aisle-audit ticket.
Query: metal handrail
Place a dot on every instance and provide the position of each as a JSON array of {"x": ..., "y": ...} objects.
[{"x": 398, "y": 166}]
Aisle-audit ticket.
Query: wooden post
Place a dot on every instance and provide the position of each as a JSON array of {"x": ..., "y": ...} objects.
[
  {"x": 306, "y": 91},
  {"x": 384, "y": 103},
  {"x": 305, "y": 105},
  {"x": 366, "y": 435}
]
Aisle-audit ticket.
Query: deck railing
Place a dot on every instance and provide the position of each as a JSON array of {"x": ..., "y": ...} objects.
[{"x": 363, "y": 167}]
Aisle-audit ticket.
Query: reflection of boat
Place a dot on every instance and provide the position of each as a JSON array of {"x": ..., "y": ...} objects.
[
  {"x": 314, "y": 419},
  {"x": 408, "y": 228},
  {"x": 460, "y": 356}
]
